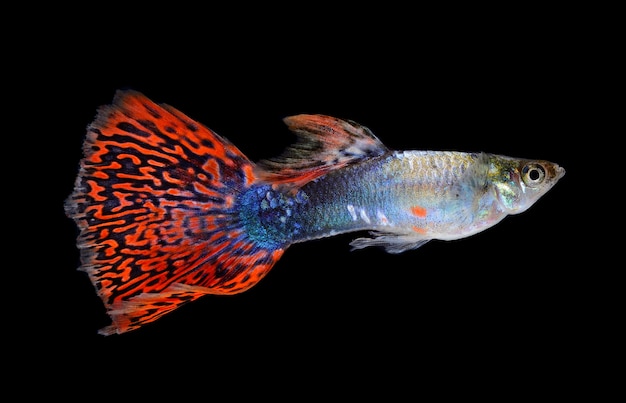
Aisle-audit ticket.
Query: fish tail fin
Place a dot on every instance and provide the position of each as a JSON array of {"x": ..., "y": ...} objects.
[{"x": 157, "y": 204}]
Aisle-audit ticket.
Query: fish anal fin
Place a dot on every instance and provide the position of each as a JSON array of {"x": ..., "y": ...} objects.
[
  {"x": 324, "y": 143},
  {"x": 392, "y": 242}
]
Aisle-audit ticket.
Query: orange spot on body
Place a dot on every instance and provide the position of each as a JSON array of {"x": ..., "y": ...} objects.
[
  {"x": 419, "y": 230},
  {"x": 418, "y": 211}
]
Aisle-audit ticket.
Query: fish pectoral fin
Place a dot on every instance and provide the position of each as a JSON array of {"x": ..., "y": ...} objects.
[
  {"x": 324, "y": 143},
  {"x": 392, "y": 242}
]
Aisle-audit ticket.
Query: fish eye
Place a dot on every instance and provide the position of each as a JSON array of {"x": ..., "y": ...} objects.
[{"x": 533, "y": 174}]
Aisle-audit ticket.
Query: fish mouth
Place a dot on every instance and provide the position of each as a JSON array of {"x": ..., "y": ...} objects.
[{"x": 560, "y": 172}]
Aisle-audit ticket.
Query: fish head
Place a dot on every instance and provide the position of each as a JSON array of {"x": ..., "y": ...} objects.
[{"x": 519, "y": 183}]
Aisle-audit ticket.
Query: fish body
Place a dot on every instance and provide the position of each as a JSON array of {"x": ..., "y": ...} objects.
[
  {"x": 407, "y": 198},
  {"x": 169, "y": 211}
]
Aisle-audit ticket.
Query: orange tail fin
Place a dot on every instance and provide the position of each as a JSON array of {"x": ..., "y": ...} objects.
[{"x": 155, "y": 203}]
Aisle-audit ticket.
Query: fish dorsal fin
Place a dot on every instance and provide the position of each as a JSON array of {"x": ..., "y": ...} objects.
[{"x": 324, "y": 143}]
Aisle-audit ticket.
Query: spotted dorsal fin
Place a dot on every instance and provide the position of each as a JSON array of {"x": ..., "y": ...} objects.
[{"x": 324, "y": 143}]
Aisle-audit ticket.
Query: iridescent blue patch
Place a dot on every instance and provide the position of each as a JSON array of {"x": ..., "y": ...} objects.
[{"x": 271, "y": 217}]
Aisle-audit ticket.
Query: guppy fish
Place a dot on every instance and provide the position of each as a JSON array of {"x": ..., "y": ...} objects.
[{"x": 168, "y": 211}]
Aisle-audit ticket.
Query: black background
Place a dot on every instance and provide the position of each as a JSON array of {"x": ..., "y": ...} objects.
[{"x": 489, "y": 306}]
